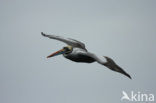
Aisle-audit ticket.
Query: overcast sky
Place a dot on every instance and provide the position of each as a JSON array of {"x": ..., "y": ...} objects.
[{"x": 124, "y": 30}]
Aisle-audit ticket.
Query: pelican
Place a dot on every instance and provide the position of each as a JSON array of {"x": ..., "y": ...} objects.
[{"x": 77, "y": 52}]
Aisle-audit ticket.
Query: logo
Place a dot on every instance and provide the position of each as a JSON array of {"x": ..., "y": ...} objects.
[{"x": 137, "y": 96}]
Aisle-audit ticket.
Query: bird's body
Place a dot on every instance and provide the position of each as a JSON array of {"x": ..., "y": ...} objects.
[
  {"x": 76, "y": 51},
  {"x": 79, "y": 55}
]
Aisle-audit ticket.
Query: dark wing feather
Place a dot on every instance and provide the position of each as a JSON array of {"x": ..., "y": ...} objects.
[{"x": 113, "y": 66}]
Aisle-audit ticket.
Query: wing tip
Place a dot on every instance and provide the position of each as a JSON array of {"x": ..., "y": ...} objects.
[
  {"x": 42, "y": 34},
  {"x": 128, "y": 76},
  {"x": 119, "y": 68}
]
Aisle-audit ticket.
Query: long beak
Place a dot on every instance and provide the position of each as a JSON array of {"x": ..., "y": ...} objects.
[{"x": 56, "y": 53}]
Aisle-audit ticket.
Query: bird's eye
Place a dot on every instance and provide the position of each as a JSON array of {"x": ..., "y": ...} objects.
[{"x": 66, "y": 49}]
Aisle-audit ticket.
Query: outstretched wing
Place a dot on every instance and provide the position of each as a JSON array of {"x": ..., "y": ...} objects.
[
  {"x": 68, "y": 41},
  {"x": 109, "y": 63},
  {"x": 113, "y": 66}
]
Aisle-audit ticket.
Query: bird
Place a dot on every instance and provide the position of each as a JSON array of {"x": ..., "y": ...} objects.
[{"x": 77, "y": 52}]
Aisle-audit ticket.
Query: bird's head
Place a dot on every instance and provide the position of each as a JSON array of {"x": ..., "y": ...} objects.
[{"x": 65, "y": 50}]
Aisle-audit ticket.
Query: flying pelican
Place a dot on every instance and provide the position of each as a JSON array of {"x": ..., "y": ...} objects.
[{"x": 77, "y": 52}]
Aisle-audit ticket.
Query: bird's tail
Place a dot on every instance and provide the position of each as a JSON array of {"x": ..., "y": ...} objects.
[{"x": 113, "y": 66}]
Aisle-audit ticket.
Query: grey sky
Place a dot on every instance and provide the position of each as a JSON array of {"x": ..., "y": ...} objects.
[{"x": 121, "y": 29}]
